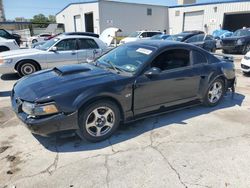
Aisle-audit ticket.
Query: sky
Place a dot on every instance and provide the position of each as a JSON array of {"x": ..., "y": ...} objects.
[{"x": 29, "y": 8}]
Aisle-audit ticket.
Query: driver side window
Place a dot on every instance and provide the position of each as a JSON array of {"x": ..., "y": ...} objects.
[
  {"x": 66, "y": 45},
  {"x": 172, "y": 59}
]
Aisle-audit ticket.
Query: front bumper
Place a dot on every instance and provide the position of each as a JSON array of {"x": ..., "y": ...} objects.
[
  {"x": 245, "y": 65},
  {"x": 233, "y": 48},
  {"x": 45, "y": 125},
  {"x": 6, "y": 69}
]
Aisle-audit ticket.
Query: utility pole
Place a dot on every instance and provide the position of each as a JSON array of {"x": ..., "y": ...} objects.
[{"x": 2, "y": 15}]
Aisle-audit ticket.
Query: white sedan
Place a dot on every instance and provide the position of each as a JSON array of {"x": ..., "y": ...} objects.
[
  {"x": 39, "y": 38},
  {"x": 8, "y": 44},
  {"x": 62, "y": 50},
  {"x": 245, "y": 64}
]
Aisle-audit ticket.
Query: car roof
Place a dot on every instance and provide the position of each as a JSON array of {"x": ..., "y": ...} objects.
[
  {"x": 149, "y": 31},
  {"x": 74, "y": 36},
  {"x": 160, "y": 44}
]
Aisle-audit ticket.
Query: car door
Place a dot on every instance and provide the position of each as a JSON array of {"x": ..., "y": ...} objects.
[
  {"x": 176, "y": 82},
  {"x": 64, "y": 54},
  {"x": 87, "y": 49}
]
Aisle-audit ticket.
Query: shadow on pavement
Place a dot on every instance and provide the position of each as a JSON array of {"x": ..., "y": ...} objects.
[
  {"x": 5, "y": 93},
  {"x": 13, "y": 76},
  {"x": 130, "y": 131}
]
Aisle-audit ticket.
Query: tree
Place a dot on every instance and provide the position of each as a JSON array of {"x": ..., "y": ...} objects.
[
  {"x": 40, "y": 18},
  {"x": 52, "y": 19}
]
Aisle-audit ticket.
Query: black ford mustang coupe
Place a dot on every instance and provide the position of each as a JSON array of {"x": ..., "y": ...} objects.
[{"x": 130, "y": 82}]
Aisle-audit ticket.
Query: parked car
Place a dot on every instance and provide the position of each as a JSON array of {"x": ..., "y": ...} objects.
[
  {"x": 159, "y": 37},
  {"x": 206, "y": 42},
  {"x": 181, "y": 37},
  {"x": 130, "y": 82},
  {"x": 8, "y": 35},
  {"x": 239, "y": 42},
  {"x": 38, "y": 44},
  {"x": 138, "y": 35},
  {"x": 8, "y": 44},
  {"x": 62, "y": 50},
  {"x": 245, "y": 64},
  {"x": 39, "y": 38},
  {"x": 221, "y": 34}
]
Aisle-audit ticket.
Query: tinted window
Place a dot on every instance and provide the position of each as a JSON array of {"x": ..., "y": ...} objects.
[
  {"x": 198, "y": 58},
  {"x": 144, "y": 34},
  {"x": 241, "y": 32},
  {"x": 150, "y": 34},
  {"x": 66, "y": 45},
  {"x": 208, "y": 37},
  {"x": 87, "y": 44},
  {"x": 45, "y": 35},
  {"x": 192, "y": 39},
  {"x": 3, "y": 33},
  {"x": 172, "y": 59},
  {"x": 149, "y": 11}
]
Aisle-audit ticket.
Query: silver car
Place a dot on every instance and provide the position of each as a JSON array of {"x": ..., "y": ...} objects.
[{"x": 62, "y": 50}]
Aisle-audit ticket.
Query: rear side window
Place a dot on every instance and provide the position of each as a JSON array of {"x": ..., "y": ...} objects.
[
  {"x": 198, "y": 58},
  {"x": 87, "y": 44}
]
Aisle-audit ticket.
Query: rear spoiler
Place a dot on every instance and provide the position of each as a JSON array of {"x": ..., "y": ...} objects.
[{"x": 224, "y": 57}]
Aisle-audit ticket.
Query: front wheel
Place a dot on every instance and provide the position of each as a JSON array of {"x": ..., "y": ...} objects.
[
  {"x": 98, "y": 121},
  {"x": 26, "y": 68},
  {"x": 214, "y": 93},
  {"x": 246, "y": 49}
]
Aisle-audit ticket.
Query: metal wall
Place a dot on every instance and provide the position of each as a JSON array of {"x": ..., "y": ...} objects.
[
  {"x": 213, "y": 15},
  {"x": 68, "y": 14},
  {"x": 130, "y": 17}
]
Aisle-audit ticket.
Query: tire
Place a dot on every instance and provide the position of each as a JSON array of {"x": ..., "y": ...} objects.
[
  {"x": 26, "y": 68},
  {"x": 213, "y": 95},
  {"x": 4, "y": 48},
  {"x": 98, "y": 121},
  {"x": 245, "y": 73},
  {"x": 34, "y": 41},
  {"x": 246, "y": 49}
]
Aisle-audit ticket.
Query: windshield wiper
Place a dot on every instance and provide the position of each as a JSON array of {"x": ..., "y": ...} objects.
[{"x": 117, "y": 69}]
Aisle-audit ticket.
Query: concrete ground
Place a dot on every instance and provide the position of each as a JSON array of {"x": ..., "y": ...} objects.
[{"x": 197, "y": 147}]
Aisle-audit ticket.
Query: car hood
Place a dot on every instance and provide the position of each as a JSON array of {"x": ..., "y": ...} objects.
[
  {"x": 20, "y": 52},
  {"x": 47, "y": 84}
]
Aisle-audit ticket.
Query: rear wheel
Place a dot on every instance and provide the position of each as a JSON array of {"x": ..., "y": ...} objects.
[
  {"x": 99, "y": 120},
  {"x": 214, "y": 93},
  {"x": 27, "y": 68},
  {"x": 34, "y": 41}
]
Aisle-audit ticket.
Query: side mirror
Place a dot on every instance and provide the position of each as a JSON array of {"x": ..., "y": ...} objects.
[
  {"x": 140, "y": 36},
  {"x": 54, "y": 49},
  {"x": 154, "y": 71}
]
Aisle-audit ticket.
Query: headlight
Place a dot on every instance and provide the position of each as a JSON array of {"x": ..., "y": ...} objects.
[
  {"x": 240, "y": 41},
  {"x": 39, "y": 110}
]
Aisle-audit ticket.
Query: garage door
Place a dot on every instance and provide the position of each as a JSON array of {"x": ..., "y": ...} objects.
[
  {"x": 193, "y": 21},
  {"x": 77, "y": 22},
  {"x": 233, "y": 22}
]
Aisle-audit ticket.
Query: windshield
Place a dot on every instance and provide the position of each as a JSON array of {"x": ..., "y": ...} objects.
[
  {"x": 134, "y": 34},
  {"x": 241, "y": 32},
  {"x": 48, "y": 44},
  {"x": 126, "y": 58},
  {"x": 175, "y": 37}
]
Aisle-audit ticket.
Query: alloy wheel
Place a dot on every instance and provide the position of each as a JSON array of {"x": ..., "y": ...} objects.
[
  {"x": 100, "y": 121},
  {"x": 215, "y": 92}
]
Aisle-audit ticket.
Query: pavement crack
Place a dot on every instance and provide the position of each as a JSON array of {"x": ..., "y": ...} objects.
[
  {"x": 171, "y": 166},
  {"x": 108, "y": 170},
  {"x": 111, "y": 145},
  {"x": 152, "y": 130}
]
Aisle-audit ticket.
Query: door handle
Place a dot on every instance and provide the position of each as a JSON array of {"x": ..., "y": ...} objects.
[
  {"x": 73, "y": 53},
  {"x": 180, "y": 79}
]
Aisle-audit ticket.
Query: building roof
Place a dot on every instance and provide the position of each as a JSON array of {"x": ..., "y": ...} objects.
[{"x": 167, "y": 3}]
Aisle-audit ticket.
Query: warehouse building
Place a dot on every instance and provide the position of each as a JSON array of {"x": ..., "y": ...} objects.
[
  {"x": 96, "y": 16},
  {"x": 204, "y": 15},
  {"x": 230, "y": 15}
]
